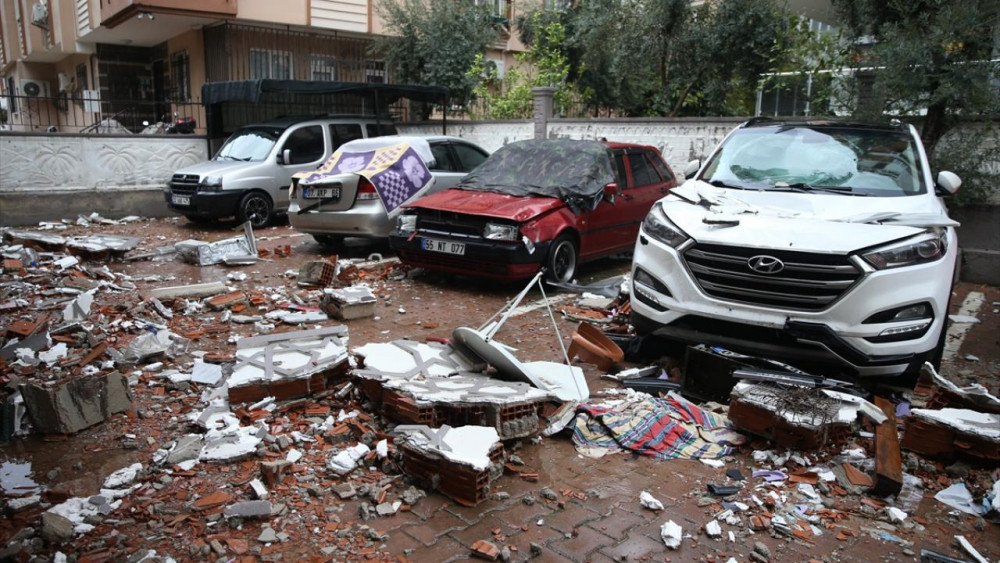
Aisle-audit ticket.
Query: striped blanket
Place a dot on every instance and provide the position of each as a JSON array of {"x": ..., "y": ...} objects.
[{"x": 668, "y": 428}]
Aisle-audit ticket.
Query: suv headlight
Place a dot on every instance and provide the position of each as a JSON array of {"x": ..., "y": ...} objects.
[
  {"x": 927, "y": 247},
  {"x": 662, "y": 229},
  {"x": 210, "y": 184},
  {"x": 406, "y": 223},
  {"x": 499, "y": 231}
]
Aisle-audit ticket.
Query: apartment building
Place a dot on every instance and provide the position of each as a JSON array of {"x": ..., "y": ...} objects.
[{"x": 68, "y": 64}]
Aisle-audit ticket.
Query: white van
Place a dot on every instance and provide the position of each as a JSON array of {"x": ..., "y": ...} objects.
[{"x": 250, "y": 176}]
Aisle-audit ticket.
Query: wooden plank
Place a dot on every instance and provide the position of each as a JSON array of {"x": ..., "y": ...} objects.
[{"x": 888, "y": 460}]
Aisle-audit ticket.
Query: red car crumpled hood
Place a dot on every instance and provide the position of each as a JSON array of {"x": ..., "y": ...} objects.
[{"x": 487, "y": 204}]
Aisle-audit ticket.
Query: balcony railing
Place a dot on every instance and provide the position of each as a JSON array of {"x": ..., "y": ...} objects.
[{"x": 68, "y": 114}]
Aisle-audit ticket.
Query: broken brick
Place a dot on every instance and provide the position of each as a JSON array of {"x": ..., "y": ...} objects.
[{"x": 485, "y": 550}]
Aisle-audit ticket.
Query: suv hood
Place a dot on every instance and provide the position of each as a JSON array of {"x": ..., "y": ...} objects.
[
  {"x": 804, "y": 221},
  {"x": 216, "y": 167},
  {"x": 488, "y": 204}
]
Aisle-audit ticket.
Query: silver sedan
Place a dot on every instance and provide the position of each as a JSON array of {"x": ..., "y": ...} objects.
[{"x": 357, "y": 212}]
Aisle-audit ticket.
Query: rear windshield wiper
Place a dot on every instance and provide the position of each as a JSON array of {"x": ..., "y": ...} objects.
[{"x": 804, "y": 188}]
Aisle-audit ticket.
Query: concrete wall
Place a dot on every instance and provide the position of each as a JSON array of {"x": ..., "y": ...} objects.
[{"x": 50, "y": 177}]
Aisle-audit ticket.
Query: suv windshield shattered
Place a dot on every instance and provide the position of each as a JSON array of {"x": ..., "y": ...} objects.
[
  {"x": 820, "y": 159},
  {"x": 250, "y": 144}
]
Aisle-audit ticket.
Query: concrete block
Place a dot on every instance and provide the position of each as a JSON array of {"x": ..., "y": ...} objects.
[
  {"x": 56, "y": 528},
  {"x": 71, "y": 406},
  {"x": 249, "y": 509}
]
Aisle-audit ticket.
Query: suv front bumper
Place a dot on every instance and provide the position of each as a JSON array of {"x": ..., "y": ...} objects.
[{"x": 678, "y": 308}]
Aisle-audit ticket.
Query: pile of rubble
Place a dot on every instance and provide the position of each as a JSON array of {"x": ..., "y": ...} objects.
[{"x": 267, "y": 428}]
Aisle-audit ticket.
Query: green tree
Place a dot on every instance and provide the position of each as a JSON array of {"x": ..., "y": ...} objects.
[
  {"x": 933, "y": 56},
  {"x": 433, "y": 42},
  {"x": 545, "y": 63}
]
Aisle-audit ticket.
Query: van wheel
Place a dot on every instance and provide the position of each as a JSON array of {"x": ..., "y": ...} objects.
[
  {"x": 255, "y": 207},
  {"x": 560, "y": 264}
]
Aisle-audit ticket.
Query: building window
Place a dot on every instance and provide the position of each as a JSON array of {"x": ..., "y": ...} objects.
[
  {"x": 180, "y": 73},
  {"x": 322, "y": 68},
  {"x": 375, "y": 72},
  {"x": 265, "y": 63}
]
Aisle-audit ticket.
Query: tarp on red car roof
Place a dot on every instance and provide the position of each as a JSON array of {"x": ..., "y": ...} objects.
[{"x": 573, "y": 171}]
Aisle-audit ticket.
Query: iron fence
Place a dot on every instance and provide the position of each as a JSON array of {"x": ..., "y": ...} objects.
[{"x": 75, "y": 114}]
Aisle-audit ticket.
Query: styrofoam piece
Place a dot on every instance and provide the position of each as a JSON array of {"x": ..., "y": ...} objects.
[{"x": 206, "y": 373}]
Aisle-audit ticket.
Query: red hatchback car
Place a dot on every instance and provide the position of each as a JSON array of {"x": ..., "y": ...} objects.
[{"x": 534, "y": 204}]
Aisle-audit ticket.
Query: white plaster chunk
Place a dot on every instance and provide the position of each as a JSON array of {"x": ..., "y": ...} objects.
[
  {"x": 713, "y": 529},
  {"x": 672, "y": 534},
  {"x": 963, "y": 420},
  {"x": 468, "y": 445},
  {"x": 123, "y": 476},
  {"x": 345, "y": 461},
  {"x": 647, "y": 500}
]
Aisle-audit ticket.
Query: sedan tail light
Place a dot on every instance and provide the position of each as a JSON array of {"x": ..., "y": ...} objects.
[{"x": 366, "y": 191}]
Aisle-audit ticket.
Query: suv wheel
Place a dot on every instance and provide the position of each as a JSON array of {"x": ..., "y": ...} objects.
[{"x": 255, "y": 207}]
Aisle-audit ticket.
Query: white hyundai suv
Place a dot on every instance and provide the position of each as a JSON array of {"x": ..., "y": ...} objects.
[{"x": 811, "y": 242}]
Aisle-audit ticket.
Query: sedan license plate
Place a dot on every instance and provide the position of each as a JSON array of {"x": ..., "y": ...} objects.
[
  {"x": 180, "y": 200},
  {"x": 321, "y": 193},
  {"x": 445, "y": 246}
]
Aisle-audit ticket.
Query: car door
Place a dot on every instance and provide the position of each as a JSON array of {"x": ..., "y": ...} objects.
[
  {"x": 453, "y": 160},
  {"x": 650, "y": 180},
  {"x": 601, "y": 229},
  {"x": 307, "y": 145}
]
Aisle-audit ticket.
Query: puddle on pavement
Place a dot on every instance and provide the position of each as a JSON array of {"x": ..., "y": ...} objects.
[{"x": 15, "y": 479}]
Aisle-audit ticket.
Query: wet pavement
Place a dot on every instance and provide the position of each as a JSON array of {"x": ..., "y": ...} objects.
[{"x": 593, "y": 515}]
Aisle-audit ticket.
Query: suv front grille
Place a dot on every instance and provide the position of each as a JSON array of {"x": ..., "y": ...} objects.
[
  {"x": 184, "y": 183},
  {"x": 809, "y": 281}
]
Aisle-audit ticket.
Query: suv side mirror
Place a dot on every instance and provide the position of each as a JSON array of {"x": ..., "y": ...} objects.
[
  {"x": 692, "y": 168},
  {"x": 947, "y": 183}
]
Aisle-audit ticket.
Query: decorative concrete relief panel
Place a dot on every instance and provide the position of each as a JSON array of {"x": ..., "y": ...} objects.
[{"x": 28, "y": 162}]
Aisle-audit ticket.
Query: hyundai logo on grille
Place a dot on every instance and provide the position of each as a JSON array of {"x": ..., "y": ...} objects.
[{"x": 764, "y": 264}]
